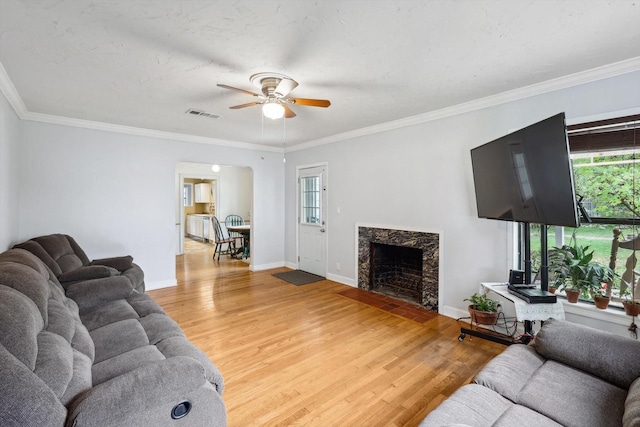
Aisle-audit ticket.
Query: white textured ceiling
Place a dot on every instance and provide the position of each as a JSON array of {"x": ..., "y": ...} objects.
[{"x": 143, "y": 63}]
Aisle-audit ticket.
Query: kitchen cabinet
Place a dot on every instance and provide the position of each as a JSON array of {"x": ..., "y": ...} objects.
[
  {"x": 203, "y": 193},
  {"x": 198, "y": 226}
]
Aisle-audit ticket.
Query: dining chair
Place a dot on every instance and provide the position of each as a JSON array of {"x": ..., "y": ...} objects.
[
  {"x": 221, "y": 240},
  {"x": 232, "y": 220}
]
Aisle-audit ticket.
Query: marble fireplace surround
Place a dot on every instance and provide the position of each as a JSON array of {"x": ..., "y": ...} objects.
[{"x": 429, "y": 241}]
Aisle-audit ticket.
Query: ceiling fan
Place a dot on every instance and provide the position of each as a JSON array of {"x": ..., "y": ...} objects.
[{"x": 275, "y": 88}]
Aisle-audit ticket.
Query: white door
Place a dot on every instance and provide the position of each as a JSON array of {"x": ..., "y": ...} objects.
[{"x": 312, "y": 236}]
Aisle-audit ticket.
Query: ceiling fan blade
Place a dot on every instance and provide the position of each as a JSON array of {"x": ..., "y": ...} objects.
[
  {"x": 288, "y": 112},
  {"x": 239, "y": 90},
  {"x": 311, "y": 102},
  {"x": 285, "y": 86},
  {"x": 248, "y": 104}
]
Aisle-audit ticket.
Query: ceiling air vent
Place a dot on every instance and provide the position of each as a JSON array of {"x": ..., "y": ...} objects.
[{"x": 201, "y": 113}]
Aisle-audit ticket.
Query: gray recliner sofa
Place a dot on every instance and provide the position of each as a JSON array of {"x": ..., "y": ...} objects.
[
  {"x": 570, "y": 375},
  {"x": 70, "y": 263},
  {"x": 109, "y": 356}
]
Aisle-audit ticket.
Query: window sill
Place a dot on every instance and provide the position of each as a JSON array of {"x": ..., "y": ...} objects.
[{"x": 611, "y": 315}]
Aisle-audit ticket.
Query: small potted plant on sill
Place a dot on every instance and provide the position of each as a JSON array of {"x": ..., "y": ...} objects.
[
  {"x": 600, "y": 298},
  {"x": 631, "y": 306},
  {"x": 483, "y": 310}
]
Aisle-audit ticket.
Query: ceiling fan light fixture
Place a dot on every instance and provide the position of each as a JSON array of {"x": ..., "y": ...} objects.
[{"x": 273, "y": 110}]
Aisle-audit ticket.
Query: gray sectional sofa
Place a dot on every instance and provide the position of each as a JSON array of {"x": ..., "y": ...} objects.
[
  {"x": 570, "y": 375},
  {"x": 82, "y": 345}
]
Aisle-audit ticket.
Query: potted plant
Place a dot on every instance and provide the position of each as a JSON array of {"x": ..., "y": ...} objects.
[
  {"x": 483, "y": 310},
  {"x": 577, "y": 273},
  {"x": 600, "y": 297},
  {"x": 631, "y": 306}
]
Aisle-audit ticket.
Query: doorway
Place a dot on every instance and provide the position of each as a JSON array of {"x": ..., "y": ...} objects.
[
  {"x": 231, "y": 189},
  {"x": 312, "y": 225}
]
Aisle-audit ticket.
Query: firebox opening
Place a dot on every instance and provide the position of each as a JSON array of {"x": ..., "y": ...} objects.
[{"x": 396, "y": 271}]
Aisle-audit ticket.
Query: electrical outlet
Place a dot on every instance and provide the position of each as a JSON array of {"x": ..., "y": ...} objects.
[{"x": 338, "y": 266}]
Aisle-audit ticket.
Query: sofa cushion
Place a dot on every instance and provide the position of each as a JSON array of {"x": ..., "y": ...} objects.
[
  {"x": 81, "y": 380},
  {"x": 105, "y": 314},
  {"x": 87, "y": 273},
  {"x": 95, "y": 292},
  {"x": 121, "y": 263},
  {"x": 26, "y": 399},
  {"x": 608, "y": 356},
  {"x": 64, "y": 250},
  {"x": 117, "y": 338},
  {"x": 82, "y": 342},
  {"x": 180, "y": 346},
  {"x": 61, "y": 321},
  {"x": 521, "y": 416},
  {"x": 36, "y": 249},
  {"x": 144, "y": 305},
  {"x": 159, "y": 327},
  {"x": 28, "y": 259},
  {"x": 573, "y": 397},
  {"x": 55, "y": 362},
  {"x": 125, "y": 362},
  {"x": 510, "y": 371},
  {"x": 20, "y": 323},
  {"x": 28, "y": 282},
  {"x": 631, "y": 417},
  {"x": 471, "y": 404}
]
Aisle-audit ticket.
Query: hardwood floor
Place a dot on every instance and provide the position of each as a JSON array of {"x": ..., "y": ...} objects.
[{"x": 307, "y": 356}]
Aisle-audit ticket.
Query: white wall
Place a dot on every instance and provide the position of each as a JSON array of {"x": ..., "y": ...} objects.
[
  {"x": 9, "y": 139},
  {"x": 115, "y": 193},
  {"x": 235, "y": 188},
  {"x": 420, "y": 177}
]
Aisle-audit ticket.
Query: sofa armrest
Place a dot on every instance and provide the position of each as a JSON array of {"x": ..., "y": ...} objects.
[
  {"x": 120, "y": 263},
  {"x": 87, "y": 273},
  {"x": 603, "y": 354},
  {"x": 146, "y": 396},
  {"x": 99, "y": 291}
]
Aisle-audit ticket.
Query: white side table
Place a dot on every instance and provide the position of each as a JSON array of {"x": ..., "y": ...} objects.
[{"x": 524, "y": 310}]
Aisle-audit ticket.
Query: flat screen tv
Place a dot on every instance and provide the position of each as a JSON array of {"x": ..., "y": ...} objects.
[{"x": 526, "y": 176}]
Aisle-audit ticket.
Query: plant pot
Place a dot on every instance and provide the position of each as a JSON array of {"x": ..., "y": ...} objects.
[
  {"x": 483, "y": 317},
  {"x": 572, "y": 295},
  {"x": 601, "y": 302},
  {"x": 631, "y": 308},
  {"x": 552, "y": 289}
]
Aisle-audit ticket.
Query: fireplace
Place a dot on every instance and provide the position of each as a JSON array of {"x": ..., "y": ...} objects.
[
  {"x": 396, "y": 271},
  {"x": 400, "y": 263}
]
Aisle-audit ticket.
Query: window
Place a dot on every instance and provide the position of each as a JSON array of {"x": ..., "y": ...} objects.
[
  {"x": 606, "y": 165},
  {"x": 187, "y": 194},
  {"x": 310, "y": 197}
]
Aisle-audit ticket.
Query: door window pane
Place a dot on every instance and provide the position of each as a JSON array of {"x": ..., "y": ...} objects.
[{"x": 310, "y": 200}]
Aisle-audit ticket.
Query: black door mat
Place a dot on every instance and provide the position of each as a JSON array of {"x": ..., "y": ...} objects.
[{"x": 298, "y": 277}]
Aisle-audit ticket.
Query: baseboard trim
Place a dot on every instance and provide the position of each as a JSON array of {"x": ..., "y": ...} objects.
[
  {"x": 269, "y": 266},
  {"x": 453, "y": 312},
  {"x": 342, "y": 279},
  {"x": 150, "y": 286}
]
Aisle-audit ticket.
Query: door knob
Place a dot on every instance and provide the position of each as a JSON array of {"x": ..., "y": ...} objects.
[{"x": 322, "y": 230}]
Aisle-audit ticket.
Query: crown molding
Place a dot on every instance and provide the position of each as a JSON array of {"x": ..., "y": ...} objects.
[
  {"x": 10, "y": 92},
  {"x": 131, "y": 130},
  {"x": 576, "y": 79},
  {"x": 599, "y": 73}
]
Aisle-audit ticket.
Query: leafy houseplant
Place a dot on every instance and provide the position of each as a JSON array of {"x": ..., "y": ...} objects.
[
  {"x": 577, "y": 273},
  {"x": 483, "y": 310}
]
